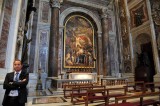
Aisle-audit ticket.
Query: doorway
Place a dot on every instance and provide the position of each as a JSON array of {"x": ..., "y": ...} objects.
[{"x": 145, "y": 69}]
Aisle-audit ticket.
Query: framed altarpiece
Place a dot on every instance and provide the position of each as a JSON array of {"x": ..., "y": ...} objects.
[
  {"x": 78, "y": 43},
  {"x": 139, "y": 14}
]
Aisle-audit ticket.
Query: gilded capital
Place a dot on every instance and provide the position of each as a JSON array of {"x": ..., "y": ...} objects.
[
  {"x": 104, "y": 13},
  {"x": 54, "y": 3}
]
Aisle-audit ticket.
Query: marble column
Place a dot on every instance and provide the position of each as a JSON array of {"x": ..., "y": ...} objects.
[
  {"x": 54, "y": 39},
  {"x": 12, "y": 40},
  {"x": 105, "y": 43}
]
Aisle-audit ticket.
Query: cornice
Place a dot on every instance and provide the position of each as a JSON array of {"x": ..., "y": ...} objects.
[{"x": 87, "y": 4}]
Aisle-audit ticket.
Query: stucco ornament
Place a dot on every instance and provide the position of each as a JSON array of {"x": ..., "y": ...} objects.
[
  {"x": 55, "y": 3},
  {"x": 156, "y": 12}
]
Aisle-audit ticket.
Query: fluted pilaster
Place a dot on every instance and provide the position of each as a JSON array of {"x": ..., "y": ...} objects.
[{"x": 100, "y": 56}]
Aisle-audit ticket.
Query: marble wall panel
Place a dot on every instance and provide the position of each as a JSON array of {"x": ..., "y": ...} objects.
[
  {"x": 45, "y": 11},
  {"x": 43, "y": 49},
  {"x": 110, "y": 24},
  {"x": 5, "y": 31},
  {"x": 60, "y": 51},
  {"x": 112, "y": 55},
  {"x": 65, "y": 6}
]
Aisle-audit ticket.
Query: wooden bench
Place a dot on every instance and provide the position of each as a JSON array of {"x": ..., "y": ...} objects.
[
  {"x": 92, "y": 94},
  {"x": 139, "y": 95},
  {"x": 77, "y": 97},
  {"x": 153, "y": 86},
  {"x": 123, "y": 104},
  {"x": 95, "y": 94},
  {"x": 67, "y": 88},
  {"x": 136, "y": 86},
  {"x": 116, "y": 92}
]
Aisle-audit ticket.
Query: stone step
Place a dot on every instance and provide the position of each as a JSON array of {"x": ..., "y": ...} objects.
[{"x": 55, "y": 92}]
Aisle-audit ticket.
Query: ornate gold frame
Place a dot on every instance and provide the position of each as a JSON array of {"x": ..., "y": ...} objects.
[{"x": 144, "y": 14}]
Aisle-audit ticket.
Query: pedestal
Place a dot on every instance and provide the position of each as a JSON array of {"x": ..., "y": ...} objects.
[{"x": 157, "y": 77}]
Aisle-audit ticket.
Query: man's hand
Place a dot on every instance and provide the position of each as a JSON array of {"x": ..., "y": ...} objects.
[
  {"x": 10, "y": 82},
  {"x": 22, "y": 80}
]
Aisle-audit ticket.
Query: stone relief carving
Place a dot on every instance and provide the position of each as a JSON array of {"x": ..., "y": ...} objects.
[
  {"x": 124, "y": 31},
  {"x": 122, "y": 13},
  {"x": 20, "y": 33},
  {"x": 44, "y": 16},
  {"x": 156, "y": 12},
  {"x": 26, "y": 41},
  {"x": 19, "y": 41},
  {"x": 155, "y": 5},
  {"x": 125, "y": 38},
  {"x": 105, "y": 13},
  {"x": 126, "y": 52},
  {"x": 127, "y": 68}
]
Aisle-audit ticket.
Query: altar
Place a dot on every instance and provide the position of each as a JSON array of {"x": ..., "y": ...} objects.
[
  {"x": 81, "y": 76},
  {"x": 58, "y": 82}
]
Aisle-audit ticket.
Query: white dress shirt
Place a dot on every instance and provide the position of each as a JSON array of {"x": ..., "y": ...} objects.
[{"x": 14, "y": 93}]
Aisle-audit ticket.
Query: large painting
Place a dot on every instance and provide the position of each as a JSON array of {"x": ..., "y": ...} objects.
[
  {"x": 78, "y": 43},
  {"x": 139, "y": 14}
]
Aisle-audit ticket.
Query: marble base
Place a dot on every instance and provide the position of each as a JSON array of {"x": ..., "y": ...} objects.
[
  {"x": 130, "y": 76},
  {"x": 58, "y": 83},
  {"x": 157, "y": 77}
]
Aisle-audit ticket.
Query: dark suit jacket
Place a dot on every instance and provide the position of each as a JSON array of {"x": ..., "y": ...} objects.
[{"x": 20, "y": 86}]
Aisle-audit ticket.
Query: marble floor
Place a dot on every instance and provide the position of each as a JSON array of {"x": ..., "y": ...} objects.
[
  {"x": 38, "y": 94},
  {"x": 46, "y": 93}
]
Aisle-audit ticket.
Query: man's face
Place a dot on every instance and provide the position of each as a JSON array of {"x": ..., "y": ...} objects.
[{"x": 17, "y": 66}]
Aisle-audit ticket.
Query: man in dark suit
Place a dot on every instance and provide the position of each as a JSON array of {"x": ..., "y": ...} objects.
[{"x": 15, "y": 84}]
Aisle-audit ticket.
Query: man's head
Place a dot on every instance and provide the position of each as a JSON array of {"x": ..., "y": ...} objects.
[{"x": 17, "y": 65}]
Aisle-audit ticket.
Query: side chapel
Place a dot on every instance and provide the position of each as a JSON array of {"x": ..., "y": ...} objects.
[{"x": 68, "y": 41}]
